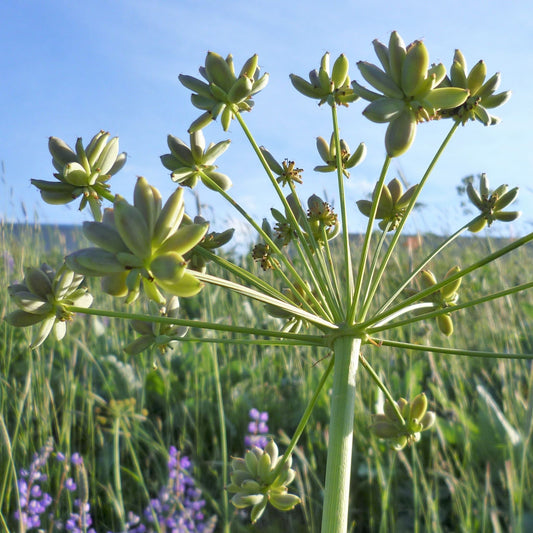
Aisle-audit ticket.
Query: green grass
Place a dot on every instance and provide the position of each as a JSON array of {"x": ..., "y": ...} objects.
[{"x": 467, "y": 474}]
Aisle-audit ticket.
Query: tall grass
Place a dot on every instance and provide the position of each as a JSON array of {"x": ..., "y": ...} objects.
[{"x": 473, "y": 472}]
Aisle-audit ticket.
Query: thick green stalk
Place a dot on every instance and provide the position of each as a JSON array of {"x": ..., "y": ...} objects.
[{"x": 338, "y": 469}]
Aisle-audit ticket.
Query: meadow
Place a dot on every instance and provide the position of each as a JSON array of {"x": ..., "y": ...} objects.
[{"x": 472, "y": 472}]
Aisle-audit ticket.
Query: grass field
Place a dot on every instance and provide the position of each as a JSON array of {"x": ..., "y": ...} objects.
[{"x": 472, "y": 472}]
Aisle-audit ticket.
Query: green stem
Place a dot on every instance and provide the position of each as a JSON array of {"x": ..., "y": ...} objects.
[
  {"x": 264, "y": 236},
  {"x": 366, "y": 243},
  {"x": 318, "y": 341},
  {"x": 116, "y": 472},
  {"x": 222, "y": 424},
  {"x": 453, "y": 308},
  {"x": 338, "y": 469},
  {"x": 288, "y": 211},
  {"x": 305, "y": 418},
  {"x": 368, "y": 367},
  {"x": 413, "y": 274},
  {"x": 344, "y": 218},
  {"x": 331, "y": 273},
  {"x": 450, "y": 351},
  {"x": 255, "y": 295},
  {"x": 370, "y": 288},
  {"x": 426, "y": 292},
  {"x": 215, "y": 326},
  {"x": 408, "y": 210}
]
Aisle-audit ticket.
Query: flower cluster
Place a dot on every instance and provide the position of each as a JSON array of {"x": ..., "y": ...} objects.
[
  {"x": 257, "y": 429},
  {"x": 257, "y": 480},
  {"x": 34, "y": 501},
  {"x": 83, "y": 172},
  {"x": 403, "y": 421},
  {"x": 179, "y": 505},
  {"x": 43, "y": 297}
]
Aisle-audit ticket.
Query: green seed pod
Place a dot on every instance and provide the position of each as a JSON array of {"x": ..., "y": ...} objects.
[
  {"x": 251, "y": 462},
  {"x": 249, "y": 67},
  {"x": 184, "y": 240},
  {"x": 385, "y": 430},
  {"x": 384, "y": 109},
  {"x": 365, "y": 93},
  {"x": 357, "y": 157},
  {"x": 445, "y": 324},
  {"x": 61, "y": 151},
  {"x": 414, "y": 68},
  {"x": 323, "y": 149},
  {"x": 94, "y": 262},
  {"x": 76, "y": 175},
  {"x": 186, "y": 287},
  {"x": 241, "y": 501},
  {"x": 477, "y": 75},
  {"x": 428, "y": 279},
  {"x": 169, "y": 266},
  {"x": 169, "y": 218},
  {"x": 477, "y": 224},
  {"x": 484, "y": 186},
  {"x": 272, "y": 450},
  {"x": 445, "y": 98},
  {"x": 104, "y": 236},
  {"x": 38, "y": 282},
  {"x": 108, "y": 156},
  {"x": 496, "y": 100},
  {"x": 507, "y": 216},
  {"x": 284, "y": 502},
  {"x": 383, "y": 55},
  {"x": 400, "y": 134},
  {"x": 379, "y": 79},
  {"x": 304, "y": 87},
  {"x": 419, "y": 406},
  {"x": 214, "y": 151},
  {"x": 449, "y": 290},
  {"x": 264, "y": 467},
  {"x": 339, "y": 72},
  {"x": 428, "y": 419},
  {"x": 221, "y": 180},
  {"x": 257, "y": 510},
  {"x": 218, "y": 71},
  {"x": 133, "y": 228},
  {"x": 240, "y": 90},
  {"x": 94, "y": 151},
  {"x": 22, "y": 319},
  {"x": 271, "y": 162},
  {"x": 397, "y": 53},
  {"x": 202, "y": 121}
]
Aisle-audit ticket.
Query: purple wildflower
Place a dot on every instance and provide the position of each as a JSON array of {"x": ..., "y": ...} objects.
[{"x": 257, "y": 429}]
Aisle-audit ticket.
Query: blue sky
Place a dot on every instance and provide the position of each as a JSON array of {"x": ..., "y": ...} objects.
[{"x": 70, "y": 68}]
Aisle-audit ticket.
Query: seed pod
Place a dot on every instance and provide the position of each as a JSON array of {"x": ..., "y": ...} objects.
[
  {"x": 284, "y": 502},
  {"x": 419, "y": 406},
  {"x": 400, "y": 134},
  {"x": 449, "y": 290},
  {"x": 477, "y": 75},
  {"x": 218, "y": 71},
  {"x": 445, "y": 324},
  {"x": 414, "y": 68},
  {"x": 445, "y": 98},
  {"x": 384, "y": 109},
  {"x": 379, "y": 79},
  {"x": 340, "y": 71},
  {"x": 132, "y": 228},
  {"x": 397, "y": 53}
]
